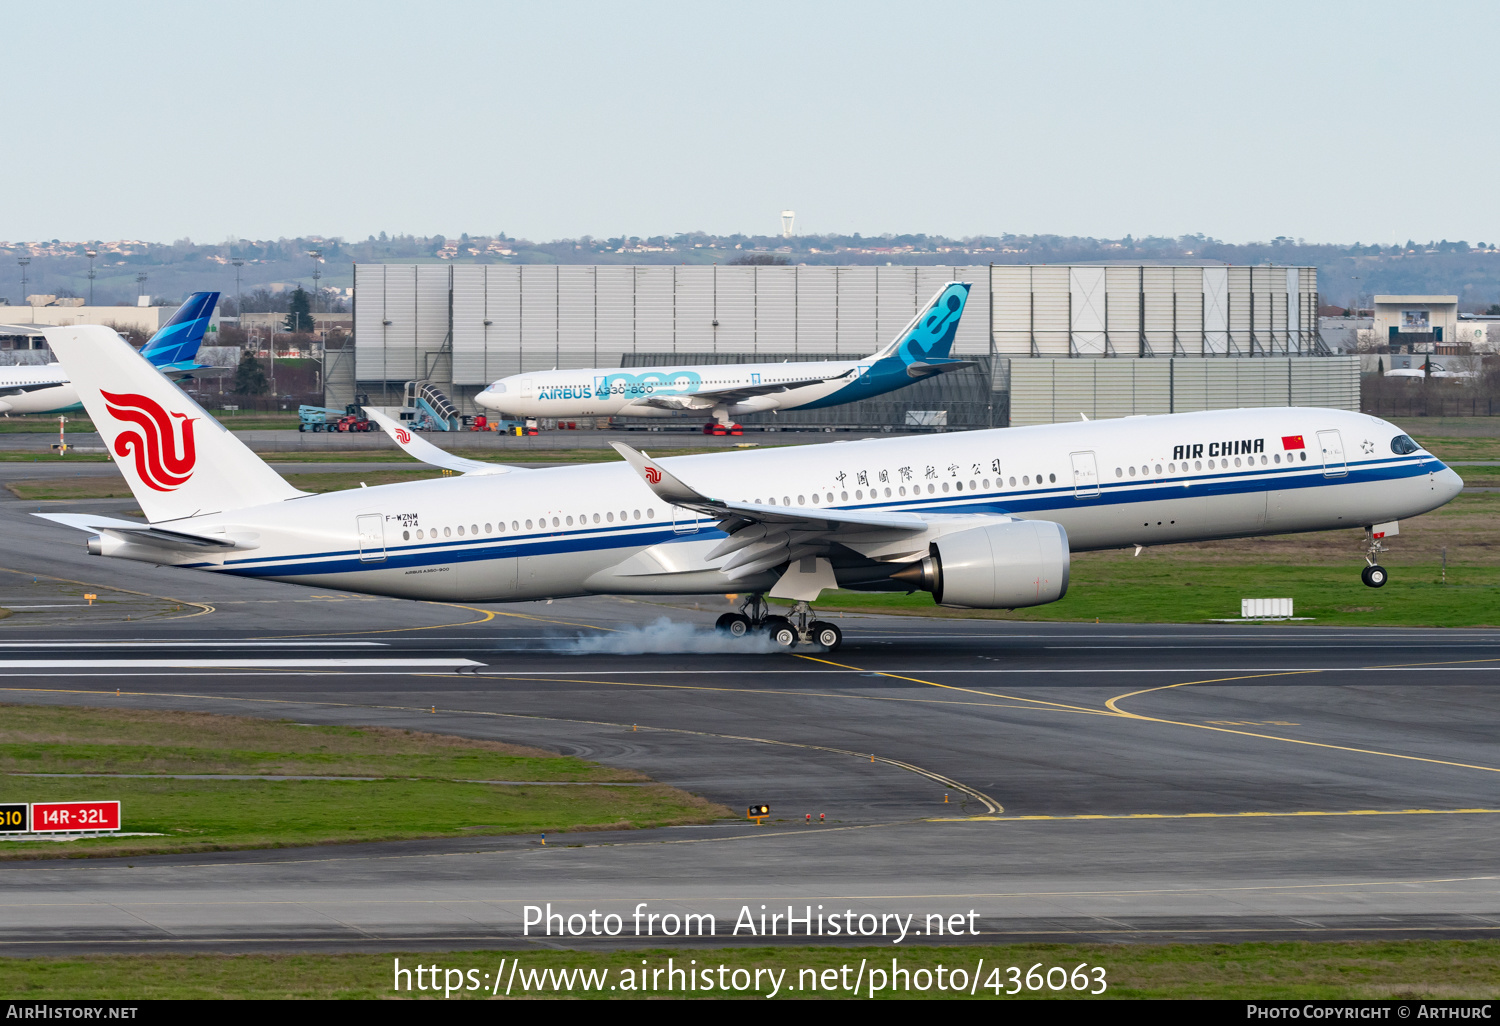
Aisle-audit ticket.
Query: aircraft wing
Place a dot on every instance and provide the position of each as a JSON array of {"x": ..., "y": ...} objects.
[
  {"x": 730, "y": 394},
  {"x": 421, "y": 449},
  {"x": 29, "y": 387},
  {"x": 763, "y": 537}
]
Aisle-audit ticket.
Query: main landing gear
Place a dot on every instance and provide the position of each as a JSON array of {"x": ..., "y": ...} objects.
[
  {"x": 1373, "y": 574},
  {"x": 784, "y": 631}
]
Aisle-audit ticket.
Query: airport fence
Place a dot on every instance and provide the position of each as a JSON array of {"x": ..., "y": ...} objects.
[{"x": 1431, "y": 406}]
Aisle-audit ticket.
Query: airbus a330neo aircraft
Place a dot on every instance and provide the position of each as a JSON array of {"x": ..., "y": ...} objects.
[
  {"x": 46, "y": 388},
  {"x": 981, "y": 519},
  {"x": 727, "y": 391}
]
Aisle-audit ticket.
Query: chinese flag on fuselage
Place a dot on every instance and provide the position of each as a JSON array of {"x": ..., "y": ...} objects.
[{"x": 1292, "y": 442}]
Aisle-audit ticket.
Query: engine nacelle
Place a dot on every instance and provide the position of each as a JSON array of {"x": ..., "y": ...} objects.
[{"x": 1002, "y": 566}]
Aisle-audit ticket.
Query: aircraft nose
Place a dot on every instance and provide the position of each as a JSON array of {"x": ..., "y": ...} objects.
[{"x": 1448, "y": 483}]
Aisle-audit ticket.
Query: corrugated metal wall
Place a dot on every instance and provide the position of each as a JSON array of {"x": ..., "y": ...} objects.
[
  {"x": 508, "y": 318},
  {"x": 1130, "y": 310},
  {"x": 466, "y": 325},
  {"x": 1051, "y": 391}
]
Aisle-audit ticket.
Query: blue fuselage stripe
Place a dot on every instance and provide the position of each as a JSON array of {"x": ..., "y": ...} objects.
[{"x": 1119, "y": 493}]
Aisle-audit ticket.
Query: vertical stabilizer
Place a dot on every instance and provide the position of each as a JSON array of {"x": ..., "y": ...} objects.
[
  {"x": 930, "y": 334},
  {"x": 178, "y": 460},
  {"x": 175, "y": 346}
]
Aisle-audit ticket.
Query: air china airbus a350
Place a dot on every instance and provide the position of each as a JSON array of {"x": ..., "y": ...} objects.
[
  {"x": 733, "y": 390},
  {"x": 982, "y": 519}
]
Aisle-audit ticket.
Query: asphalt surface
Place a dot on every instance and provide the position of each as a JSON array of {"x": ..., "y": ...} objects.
[{"x": 1130, "y": 783}]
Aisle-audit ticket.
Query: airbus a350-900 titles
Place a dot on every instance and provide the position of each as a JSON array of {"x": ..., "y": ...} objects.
[
  {"x": 982, "y": 519},
  {"x": 726, "y": 391}
]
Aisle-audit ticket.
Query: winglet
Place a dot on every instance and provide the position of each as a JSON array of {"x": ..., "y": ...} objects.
[
  {"x": 421, "y": 449},
  {"x": 661, "y": 481}
]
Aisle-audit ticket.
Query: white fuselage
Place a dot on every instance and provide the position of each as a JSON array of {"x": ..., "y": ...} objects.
[
  {"x": 36, "y": 389},
  {"x": 600, "y": 529},
  {"x": 638, "y": 391}
]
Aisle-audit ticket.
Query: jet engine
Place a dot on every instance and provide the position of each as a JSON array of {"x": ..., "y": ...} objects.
[{"x": 1002, "y": 566}]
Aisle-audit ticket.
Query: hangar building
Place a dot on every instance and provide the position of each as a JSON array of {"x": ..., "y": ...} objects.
[{"x": 1050, "y": 342}]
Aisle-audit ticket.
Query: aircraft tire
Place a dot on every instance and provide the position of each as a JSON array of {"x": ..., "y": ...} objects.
[
  {"x": 733, "y": 624},
  {"x": 781, "y": 631},
  {"x": 825, "y": 635},
  {"x": 1374, "y": 576}
]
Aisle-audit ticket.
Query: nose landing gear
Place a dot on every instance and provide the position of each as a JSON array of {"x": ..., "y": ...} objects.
[
  {"x": 784, "y": 631},
  {"x": 1373, "y": 575}
]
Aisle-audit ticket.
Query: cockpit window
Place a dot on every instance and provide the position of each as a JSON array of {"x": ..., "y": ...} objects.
[
  {"x": 1402, "y": 445},
  {"x": 497, "y": 387}
]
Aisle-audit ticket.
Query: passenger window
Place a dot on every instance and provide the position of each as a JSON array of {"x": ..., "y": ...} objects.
[
  {"x": 555, "y": 523},
  {"x": 1304, "y": 457},
  {"x": 420, "y": 536},
  {"x": 1052, "y": 478},
  {"x": 515, "y": 526},
  {"x": 528, "y": 525},
  {"x": 1132, "y": 472},
  {"x": 1277, "y": 457},
  {"x": 843, "y": 496},
  {"x": 1236, "y": 461},
  {"x": 1119, "y": 472},
  {"x": 902, "y": 489},
  {"x": 473, "y": 528},
  {"x": 1012, "y": 482},
  {"x": 1026, "y": 479},
  {"x": 1171, "y": 468},
  {"x": 486, "y": 528},
  {"x": 610, "y": 517},
  {"x": 959, "y": 485},
  {"x": 945, "y": 487},
  {"x": 650, "y": 514},
  {"x": 406, "y": 536},
  {"x": 859, "y": 493},
  {"x": 1197, "y": 464},
  {"x": 802, "y": 500},
  {"x": 887, "y": 493},
  {"x": 447, "y": 532},
  {"x": 570, "y": 521},
  {"x": 1158, "y": 468},
  {"x": 596, "y": 518}
]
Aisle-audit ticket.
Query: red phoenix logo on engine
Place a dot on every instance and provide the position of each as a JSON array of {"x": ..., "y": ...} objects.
[
  {"x": 402, "y": 435},
  {"x": 163, "y": 459},
  {"x": 653, "y": 475}
]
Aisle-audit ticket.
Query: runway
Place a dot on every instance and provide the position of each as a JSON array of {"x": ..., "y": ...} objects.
[{"x": 1222, "y": 782}]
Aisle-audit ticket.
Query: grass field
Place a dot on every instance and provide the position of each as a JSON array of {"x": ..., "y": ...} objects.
[
  {"x": 1399, "y": 969},
  {"x": 435, "y": 780}
]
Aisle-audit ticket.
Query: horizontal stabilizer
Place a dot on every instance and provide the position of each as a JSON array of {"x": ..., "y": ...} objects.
[{"x": 145, "y": 534}]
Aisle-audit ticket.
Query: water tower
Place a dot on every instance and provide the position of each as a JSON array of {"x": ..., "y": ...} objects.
[{"x": 787, "y": 217}]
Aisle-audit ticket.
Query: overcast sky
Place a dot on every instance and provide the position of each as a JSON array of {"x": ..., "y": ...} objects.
[{"x": 1330, "y": 121}]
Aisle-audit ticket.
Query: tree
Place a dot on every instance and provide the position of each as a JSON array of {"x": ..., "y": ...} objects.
[
  {"x": 249, "y": 376},
  {"x": 299, "y": 316}
]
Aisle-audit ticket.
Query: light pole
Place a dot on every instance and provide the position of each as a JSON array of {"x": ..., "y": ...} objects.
[
  {"x": 239, "y": 303},
  {"x": 140, "y": 286},
  {"x": 91, "y": 253},
  {"x": 23, "y": 261},
  {"x": 317, "y": 256}
]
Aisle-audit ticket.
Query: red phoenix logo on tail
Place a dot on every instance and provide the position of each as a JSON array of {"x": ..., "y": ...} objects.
[
  {"x": 160, "y": 461},
  {"x": 653, "y": 475},
  {"x": 402, "y": 435}
]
